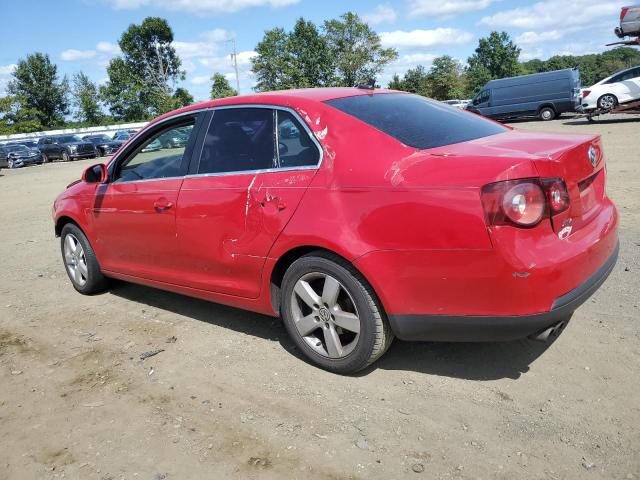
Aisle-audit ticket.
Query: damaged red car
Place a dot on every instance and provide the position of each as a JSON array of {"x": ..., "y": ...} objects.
[{"x": 356, "y": 215}]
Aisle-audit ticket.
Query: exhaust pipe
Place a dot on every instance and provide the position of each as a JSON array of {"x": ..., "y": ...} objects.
[{"x": 550, "y": 333}]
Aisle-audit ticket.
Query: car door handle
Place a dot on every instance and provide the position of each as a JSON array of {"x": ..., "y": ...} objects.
[{"x": 162, "y": 204}]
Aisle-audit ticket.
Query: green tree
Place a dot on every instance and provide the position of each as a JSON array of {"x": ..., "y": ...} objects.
[
  {"x": 182, "y": 97},
  {"x": 445, "y": 78},
  {"x": 415, "y": 80},
  {"x": 220, "y": 87},
  {"x": 16, "y": 117},
  {"x": 357, "y": 50},
  {"x": 86, "y": 99},
  {"x": 296, "y": 59},
  {"x": 142, "y": 81},
  {"x": 35, "y": 81},
  {"x": 123, "y": 93},
  {"x": 496, "y": 57}
]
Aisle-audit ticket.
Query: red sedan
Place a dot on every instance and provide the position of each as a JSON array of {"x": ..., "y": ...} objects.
[{"x": 355, "y": 215}]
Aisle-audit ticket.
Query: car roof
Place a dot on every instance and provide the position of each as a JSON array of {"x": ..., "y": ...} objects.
[{"x": 282, "y": 98}]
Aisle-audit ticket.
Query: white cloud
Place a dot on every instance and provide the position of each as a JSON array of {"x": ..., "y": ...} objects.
[
  {"x": 425, "y": 38},
  {"x": 381, "y": 14},
  {"x": 200, "y": 6},
  {"x": 535, "y": 38},
  {"x": 73, "y": 55},
  {"x": 217, "y": 35},
  {"x": 195, "y": 49},
  {"x": 108, "y": 48},
  {"x": 103, "y": 51},
  {"x": 200, "y": 79},
  {"x": 527, "y": 55},
  {"x": 445, "y": 8},
  {"x": 7, "y": 69},
  {"x": 556, "y": 13}
]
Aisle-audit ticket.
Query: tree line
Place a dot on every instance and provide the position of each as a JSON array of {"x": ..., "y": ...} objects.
[{"x": 143, "y": 80}]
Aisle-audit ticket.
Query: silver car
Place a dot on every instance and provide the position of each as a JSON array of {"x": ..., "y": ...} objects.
[{"x": 629, "y": 22}]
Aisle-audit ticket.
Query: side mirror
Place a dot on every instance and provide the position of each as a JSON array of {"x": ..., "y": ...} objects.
[{"x": 95, "y": 174}]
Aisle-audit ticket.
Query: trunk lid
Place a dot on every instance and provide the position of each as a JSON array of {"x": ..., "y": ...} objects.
[{"x": 552, "y": 155}]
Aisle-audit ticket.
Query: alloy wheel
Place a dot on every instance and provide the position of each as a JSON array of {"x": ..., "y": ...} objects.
[
  {"x": 607, "y": 101},
  {"x": 75, "y": 260},
  {"x": 325, "y": 315},
  {"x": 11, "y": 164}
]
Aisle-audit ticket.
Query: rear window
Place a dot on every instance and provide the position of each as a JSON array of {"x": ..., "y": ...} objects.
[{"x": 416, "y": 121}]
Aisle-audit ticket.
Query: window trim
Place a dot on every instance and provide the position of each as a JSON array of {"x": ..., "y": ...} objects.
[{"x": 263, "y": 170}]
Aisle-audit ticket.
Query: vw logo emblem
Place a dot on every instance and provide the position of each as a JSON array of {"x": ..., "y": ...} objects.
[
  {"x": 325, "y": 316},
  {"x": 593, "y": 156}
]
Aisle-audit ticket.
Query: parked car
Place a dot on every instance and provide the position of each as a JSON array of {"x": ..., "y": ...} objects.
[
  {"x": 153, "y": 146},
  {"x": 621, "y": 87},
  {"x": 173, "y": 139},
  {"x": 104, "y": 145},
  {"x": 629, "y": 22},
  {"x": 16, "y": 156},
  {"x": 122, "y": 135},
  {"x": 65, "y": 148},
  {"x": 27, "y": 143},
  {"x": 462, "y": 104},
  {"x": 388, "y": 215},
  {"x": 544, "y": 95}
]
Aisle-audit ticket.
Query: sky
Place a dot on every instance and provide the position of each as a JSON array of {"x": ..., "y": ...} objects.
[{"x": 82, "y": 35}]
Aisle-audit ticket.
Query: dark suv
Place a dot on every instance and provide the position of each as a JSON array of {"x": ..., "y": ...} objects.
[
  {"x": 65, "y": 148},
  {"x": 104, "y": 145}
]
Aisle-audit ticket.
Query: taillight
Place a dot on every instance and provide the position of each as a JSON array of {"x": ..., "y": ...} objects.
[
  {"x": 623, "y": 12},
  {"x": 585, "y": 93},
  {"x": 524, "y": 202}
]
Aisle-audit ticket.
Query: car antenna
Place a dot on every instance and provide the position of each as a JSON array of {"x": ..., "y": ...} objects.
[{"x": 368, "y": 85}]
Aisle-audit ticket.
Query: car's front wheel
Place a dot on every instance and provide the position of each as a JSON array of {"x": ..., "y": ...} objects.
[
  {"x": 65, "y": 156},
  {"x": 11, "y": 164},
  {"x": 332, "y": 314},
  {"x": 607, "y": 101},
  {"x": 80, "y": 261}
]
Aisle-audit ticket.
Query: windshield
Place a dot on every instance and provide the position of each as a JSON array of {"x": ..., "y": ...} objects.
[
  {"x": 17, "y": 148},
  {"x": 417, "y": 121},
  {"x": 69, "y": 139}
]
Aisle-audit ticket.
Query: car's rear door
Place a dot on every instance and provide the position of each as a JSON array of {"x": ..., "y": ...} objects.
[
  {"x": 239, "y": 196},
  {"x": 134, "y": 214}
]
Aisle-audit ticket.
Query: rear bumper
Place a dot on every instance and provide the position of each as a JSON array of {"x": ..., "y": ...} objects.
[{"x": 469, "y": 328}]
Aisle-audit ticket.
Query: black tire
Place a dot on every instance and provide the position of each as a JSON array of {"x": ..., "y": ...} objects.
[
  {"x": 607, "y": 101},
  {"x": 65, "y": 156},
  {"x": 375, "y": 335},
  {"x": 99, "y": 152},
  {"x": 95, "y": 282},
  {"x": 45, "y": 159},
  {"x": 11, "y": 164},
  {"x": 546, "y": 114}
]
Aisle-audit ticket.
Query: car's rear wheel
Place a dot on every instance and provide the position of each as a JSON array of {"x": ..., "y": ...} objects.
[
  {"x": 65, "y": 157},
  {"x": 332, "y": 314},
  {"x": 607, "y": 101},
  {"x": 45, "y": 159},
  {"x": 547, "y": 113},
  {"x": 80, "y": 261}
]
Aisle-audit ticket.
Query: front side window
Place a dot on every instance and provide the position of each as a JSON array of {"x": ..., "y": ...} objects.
[
  {"x": 239, "y": 140},
  {"x": 416, "y": 121},
  {"x": 155, "y": 160}
]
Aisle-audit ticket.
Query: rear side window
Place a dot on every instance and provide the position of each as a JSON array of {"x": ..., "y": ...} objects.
[
  {"x": 295, "y": 148},
  {"x": 416, "y": 121},
  {"x": 239, "y": 139},
  {"x": 253, "y": 139}
]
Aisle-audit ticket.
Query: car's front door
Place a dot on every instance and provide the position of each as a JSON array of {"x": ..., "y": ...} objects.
[
  {"x": 240, "y": 194},
  {"x": 134, "y": 213}
]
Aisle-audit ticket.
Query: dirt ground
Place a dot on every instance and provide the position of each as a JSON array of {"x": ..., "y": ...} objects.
[{"x": 229, "y": 396}]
